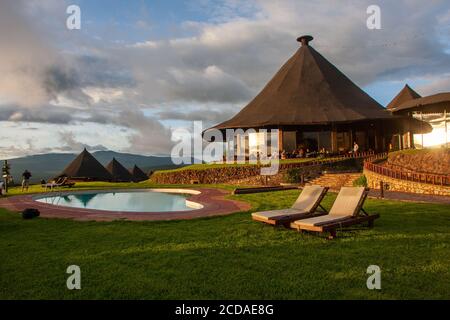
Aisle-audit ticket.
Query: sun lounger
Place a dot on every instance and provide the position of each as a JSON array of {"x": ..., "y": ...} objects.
[
  {"x": 60, "y": 182},
  {"x": 347, "y": 210},
  {"x": 305, "y": 206}
]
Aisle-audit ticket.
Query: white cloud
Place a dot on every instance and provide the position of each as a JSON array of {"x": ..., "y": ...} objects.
[
  {"x": 435, "y": 85},
  {"x": 104, "y": 95},
  {"x": 146, "y": 44},
  {"x": 51, "y": 76}
]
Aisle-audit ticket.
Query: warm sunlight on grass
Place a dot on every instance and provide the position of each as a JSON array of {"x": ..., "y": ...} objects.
[
  {"x": 204, "y": 166},
  {"x": 228, "y": 257}
]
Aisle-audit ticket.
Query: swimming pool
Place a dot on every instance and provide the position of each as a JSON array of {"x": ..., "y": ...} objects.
[{"x": 154, "y": 200}]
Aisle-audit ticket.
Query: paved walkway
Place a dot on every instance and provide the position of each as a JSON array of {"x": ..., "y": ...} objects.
[
  {"x": 213, "y": 201},
  {"x": 413, "y": 197}
]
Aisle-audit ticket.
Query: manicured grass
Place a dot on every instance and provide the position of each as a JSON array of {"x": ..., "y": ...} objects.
[
  {"x": 228, "y": 257},
  {"x": 37, "y": 188},
  {"x": 205, "y": 166}
]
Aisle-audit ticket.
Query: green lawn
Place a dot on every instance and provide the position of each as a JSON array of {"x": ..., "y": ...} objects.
[
  {"x": 228, "y": 257},
  {"x": 204, "y": 166},
  {"x": 37, "y": 188}
]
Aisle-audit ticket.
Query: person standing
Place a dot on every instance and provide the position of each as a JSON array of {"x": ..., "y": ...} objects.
[
  {"x": 355, "y": 147},
  {"x": 26, "y": 175}
]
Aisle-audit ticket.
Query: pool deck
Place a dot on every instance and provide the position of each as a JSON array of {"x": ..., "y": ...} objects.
[{"x": 213, "y": 201}]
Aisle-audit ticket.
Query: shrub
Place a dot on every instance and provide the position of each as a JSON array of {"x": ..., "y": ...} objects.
[
  {"x": 345, "y": 165},
  {"x": 360, "y": 182},
  {"x": 293, "y": 175}
]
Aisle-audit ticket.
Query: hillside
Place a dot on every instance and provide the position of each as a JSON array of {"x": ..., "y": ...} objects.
[
  {"x": 434, "y": 161},
  {"x": 45, "y": 166}
]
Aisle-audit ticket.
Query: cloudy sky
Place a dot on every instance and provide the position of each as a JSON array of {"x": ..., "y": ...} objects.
[{"x": 137, "y": 70}]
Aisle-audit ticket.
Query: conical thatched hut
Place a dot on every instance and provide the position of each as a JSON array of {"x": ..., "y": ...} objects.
[
  {"x": 118, "y": 172},
  {"x": 138, "y": 174},
  {"x": 316, "y": 107},
  {"x": 86, "y": 167},
  {"x": 406, "y": 94}
]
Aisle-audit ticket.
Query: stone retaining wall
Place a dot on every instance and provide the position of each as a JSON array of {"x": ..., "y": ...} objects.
[
  {"x": 205, "y": 176},
  {"x": 249, "y": 175},
  {"x": 373, "y": 182}
]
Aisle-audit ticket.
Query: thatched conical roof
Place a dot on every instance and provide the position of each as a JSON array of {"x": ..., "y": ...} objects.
[
  {"x": 138, "y": 174},
  {"x": 406, "y": 94},
  {"x": 86, "y": 167},
  {"x": 118, "y": 172},
  {"x": 434, "y": 103},
  {"x": 307, "y": 90}
]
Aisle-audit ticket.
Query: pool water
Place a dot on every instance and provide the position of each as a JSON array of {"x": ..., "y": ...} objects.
[{"x": 139, "y": 201}]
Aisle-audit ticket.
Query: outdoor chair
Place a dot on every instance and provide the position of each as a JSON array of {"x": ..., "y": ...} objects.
[
  {"x": 60, "y": 182},
  {"x": 347, "y": 210},
  {"x": 305, "y": 206}
]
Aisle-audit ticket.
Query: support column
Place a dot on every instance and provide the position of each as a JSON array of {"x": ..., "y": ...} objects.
[
  {"x": 376, "y": 148},
  {"x": 333, "y": 139},
  {"x": 421, "y": 127},
  {"x": 445, "y": 128},
  {"x": 280, "y": 141}
]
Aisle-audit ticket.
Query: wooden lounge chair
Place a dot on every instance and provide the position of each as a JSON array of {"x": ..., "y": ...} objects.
[
  {"x": 66, "y": 183},
  {"x": 347, "y": 210},
  {"x": 51, "y": 184},
  {"x": 305, "y": 206},
  {"x": 60, "y": 182}
]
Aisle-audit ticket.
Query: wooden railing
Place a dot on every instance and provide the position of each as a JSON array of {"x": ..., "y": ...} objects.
[
  {"x": 336, "y": 157},
  {"x": 436, "y": 179},
  {"x": 333, "y": 159}
]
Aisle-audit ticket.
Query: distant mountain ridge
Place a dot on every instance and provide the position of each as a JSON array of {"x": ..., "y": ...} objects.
[{"x": 47, "y": 166}]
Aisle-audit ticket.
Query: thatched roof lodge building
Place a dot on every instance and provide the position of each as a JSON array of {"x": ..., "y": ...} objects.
[
  {"x": 434, "y": 110},
  {"x": 405, "y": 140},
  {"x": 316, "y": 107}
]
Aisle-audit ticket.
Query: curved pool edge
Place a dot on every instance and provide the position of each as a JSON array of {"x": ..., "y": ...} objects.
[
  {"x": 37, "y": 196},
  {"x": 189, "y": 203},
  {"x": 213, "y": 201}
]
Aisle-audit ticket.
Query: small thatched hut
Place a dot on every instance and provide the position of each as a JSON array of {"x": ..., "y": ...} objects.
[
  {"x": 118, "y": 172},
  {"x": 138, "y": 174}
]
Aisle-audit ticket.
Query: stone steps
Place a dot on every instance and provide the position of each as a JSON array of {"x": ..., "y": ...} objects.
[{"x": 335, "y": 180}]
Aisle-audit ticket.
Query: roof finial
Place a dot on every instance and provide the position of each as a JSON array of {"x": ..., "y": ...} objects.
[{"x": 304, "y": 40}]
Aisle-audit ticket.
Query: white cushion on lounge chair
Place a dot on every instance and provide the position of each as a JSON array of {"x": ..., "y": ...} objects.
[
  {"x": 321, "y": 220},
  {"x": 277, "y": 214},
  {"x": 346, "y": 205},
  {"x": 347, "y": 201},
  {"x": 308, "y": 198},
  {"x": 305, "y": 203}
]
